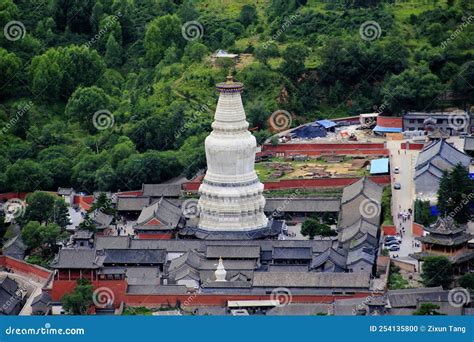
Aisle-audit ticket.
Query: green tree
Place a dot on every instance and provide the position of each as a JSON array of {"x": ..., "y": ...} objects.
[
  {"x": 27, "y": 175},
  {"x": 87, "y": 224},
  {"x": 248, "y": 15},
  {"x": 84, "y": 102},
  {"x": 160, "y": 34},
  {"x": 312, "y": 227},
  {"x": 79, "y": 301},
  {"x": 467, "y": 281},
  {"x": 264, "y": 53},
  {"x": 45, "y": 237},
  {"x": 10, "y": 65},
  {"x": 463, "y": 83},
  {"x": 103, "y": 204},
  {"x": 194, "y": 52},
  {"x": 59, "y": 71},
  {"x": 293, "y": 61},
  {"x": 31, "y": 234},
  {"x": 46, "y": 208},
  {"x": 113, "y": 52},
  {"x": 415, "y": 88},
  {"x": 455, "y": 194},
  {"x": 437, "y": 271},
  {"x": 427, "y": 309},
  {"x": 423, "y": 212}
]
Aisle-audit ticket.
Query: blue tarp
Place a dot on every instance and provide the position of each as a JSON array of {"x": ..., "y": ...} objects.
[
  {"x": 378, "y": 166},
  {"x": 310, "y": 131},
  {"x": 327, "y": 123},
  {"x": 382, "y": 129}
]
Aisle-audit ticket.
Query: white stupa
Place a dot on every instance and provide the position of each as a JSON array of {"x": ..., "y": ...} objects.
[
  {"x": 231, "y": 193},
  {"x": 220, "y": 272}
]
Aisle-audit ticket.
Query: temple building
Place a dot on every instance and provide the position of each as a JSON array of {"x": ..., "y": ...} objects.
[
  {"x": 231, "y": 205},
  {"x": 435, "y": 158},
  {"x": 447, "y": 238}
]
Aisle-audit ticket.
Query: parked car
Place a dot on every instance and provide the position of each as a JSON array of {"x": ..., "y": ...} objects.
[
  {"x": 391, "y": 242},
  {"x": 397, "y": 186},
  {"x": 396, "y": 170},
  {"x": 393, "y": 238},
  {"x": 393, "y": 248}
]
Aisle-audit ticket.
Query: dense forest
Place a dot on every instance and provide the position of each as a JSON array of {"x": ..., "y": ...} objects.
[{"x": 110, "y": 94}]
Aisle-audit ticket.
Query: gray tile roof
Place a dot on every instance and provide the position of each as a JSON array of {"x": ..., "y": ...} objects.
[
  {"x": 297, "y": 309},
  {"x": 182, "y": 246},
  {"x": 337, "y": 257},
  {"x": 156, "y": 289},
  {"x": 311, "y": 279},
  {"x": 442, "y": 154},
  {"x": 164, "y": 211},
  {"x": 9, "y": 284},
  {"x": 191, "y": 258},
  {"x": 430, "y": 168},
  {"x": 292, "y": 253},
  {"x": 410, "y": 297},
  {"x": 287, "y": 268},
  {"x": 469, "y": 144},
  {"x": 360, "y": 254},
  {"x": 233, "y": 252},
  {"x": 77, "y": 259},
  {"x": 317, "y": 204},
  {"x": 103, "y": 242},
  {"x": 102, "y": 220},
  {"x": 159, "y": 190},
  {"x": 358, "y": 229},
  {"x": 15, "y": 241},
  {"x": 65, "y": 191},
  {"x": 363, "y": 186},
  {"x": 132, "y": 203},
  {"x": 40, "y": 303},
  {"x": 358, "y": 198},
  {"x": 135, "y": 256},
  {"x": 82, "y": 234},
  {"x": 10, "y": 301}
]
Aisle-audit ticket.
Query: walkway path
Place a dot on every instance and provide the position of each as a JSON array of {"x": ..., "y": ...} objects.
[{"x": 403, "y": 199}]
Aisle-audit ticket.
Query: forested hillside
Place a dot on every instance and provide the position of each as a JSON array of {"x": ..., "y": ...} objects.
[{"x": 110, "y": 94}]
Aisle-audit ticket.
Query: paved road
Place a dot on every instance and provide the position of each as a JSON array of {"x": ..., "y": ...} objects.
[{"x": 403, "y": 199}]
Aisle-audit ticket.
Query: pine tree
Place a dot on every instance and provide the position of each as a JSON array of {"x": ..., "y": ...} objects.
[{"x": 455, "y": 194}]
